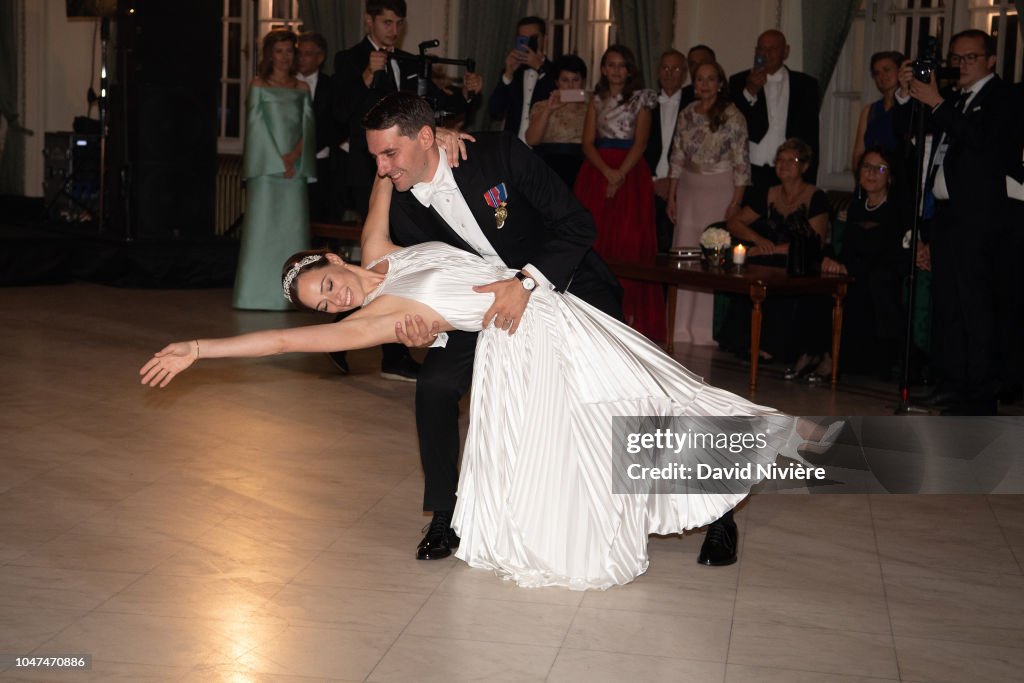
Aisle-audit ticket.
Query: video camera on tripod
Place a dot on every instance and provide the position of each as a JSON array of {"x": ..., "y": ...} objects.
[
  {"x": 424, "y": 70},
  {"x": 929, "y": 61}
]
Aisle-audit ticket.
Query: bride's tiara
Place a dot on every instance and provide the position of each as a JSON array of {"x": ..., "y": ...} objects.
[{"x": 294, "y": 271}]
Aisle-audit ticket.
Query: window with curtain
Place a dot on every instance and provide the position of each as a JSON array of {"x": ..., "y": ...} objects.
[
  {"x": 581, "y": 27},
  {"x": 235, "y": 67},
  {"x": 913, "y": 19},
  {"x": 846, "y": 93}
]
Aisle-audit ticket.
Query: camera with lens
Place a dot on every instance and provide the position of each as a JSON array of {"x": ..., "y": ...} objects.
[
  {"x": 424, "y": 64},
  {"x": 928, "y": 62}
]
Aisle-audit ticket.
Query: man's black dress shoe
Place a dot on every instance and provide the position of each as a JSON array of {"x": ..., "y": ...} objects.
[
  {"x": 719, "y": 548},
  {"x": 404, "y": 369},
  {"x": 340, "y": 360},
  {"x": 440, "y": 539}
]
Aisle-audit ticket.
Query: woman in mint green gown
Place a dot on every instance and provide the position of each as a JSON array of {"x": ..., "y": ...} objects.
[{"x": 280, "y": 142}]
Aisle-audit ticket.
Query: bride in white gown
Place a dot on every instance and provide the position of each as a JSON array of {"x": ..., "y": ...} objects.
[{"x": 535, "y": 499}]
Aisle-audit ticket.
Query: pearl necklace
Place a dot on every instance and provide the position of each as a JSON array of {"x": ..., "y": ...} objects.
[{"x": 867, "y": 203}]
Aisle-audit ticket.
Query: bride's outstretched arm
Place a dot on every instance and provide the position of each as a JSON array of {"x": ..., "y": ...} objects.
[
  {"x": 376, "y": 238},
  {"x": 374, "y": 325}
]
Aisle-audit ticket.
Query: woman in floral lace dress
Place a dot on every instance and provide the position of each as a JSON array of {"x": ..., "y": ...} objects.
[{"x": 709, "y": 167}]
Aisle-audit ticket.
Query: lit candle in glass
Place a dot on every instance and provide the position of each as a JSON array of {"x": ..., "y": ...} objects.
[{"x": 739, "y": 254}]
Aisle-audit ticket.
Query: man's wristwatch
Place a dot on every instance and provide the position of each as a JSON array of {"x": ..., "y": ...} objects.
[{"x": 528, "y": 282}]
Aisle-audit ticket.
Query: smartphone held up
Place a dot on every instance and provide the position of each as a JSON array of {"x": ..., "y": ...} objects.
[{"x": 525, "y": 43}]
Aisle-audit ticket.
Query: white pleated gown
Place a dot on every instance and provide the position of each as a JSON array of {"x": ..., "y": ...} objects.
[{"x": 535, "y": 500}]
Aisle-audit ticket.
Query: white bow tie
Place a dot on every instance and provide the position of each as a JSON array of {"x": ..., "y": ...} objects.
[
  {"x": 665, "y": 99},
  {"x": 425, "y": 192}
]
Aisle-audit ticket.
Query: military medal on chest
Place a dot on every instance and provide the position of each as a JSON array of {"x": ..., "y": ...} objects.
[{"x": 497, "y": 199}]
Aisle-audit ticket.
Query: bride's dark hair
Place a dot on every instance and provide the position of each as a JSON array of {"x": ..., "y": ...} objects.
[{"x": 294, "y": 267}]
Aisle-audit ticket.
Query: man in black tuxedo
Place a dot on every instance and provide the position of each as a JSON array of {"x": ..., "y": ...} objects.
[
  {"x": 311, "y": 53},
  {"x": 528, "y": 78},
  {"x": 778, "y": 104},
  {"x": 671, "y": 76},
  {"x": 373, "y": 68},
  {"x": 363, "y": 75},
  {"x": 973, "y": 154},
  {"x": 506, "y": 205}
]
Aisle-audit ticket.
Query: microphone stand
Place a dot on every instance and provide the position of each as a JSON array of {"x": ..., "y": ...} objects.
[{"x": 904, "y": 407}]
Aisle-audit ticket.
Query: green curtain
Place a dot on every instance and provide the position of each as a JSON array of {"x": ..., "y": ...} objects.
[
  {"x": 339, "y": 21},
  {"x": 12, "y": 161},
  {"x": 826, "y": 23},
  {"x": 486, "y": 33},
  {"x": 646, "y": 27}
]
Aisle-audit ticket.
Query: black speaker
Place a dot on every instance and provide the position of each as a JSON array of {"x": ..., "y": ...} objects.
[
  {"x": 165, "y": 116},
  {"x": 71, "y": 175}
]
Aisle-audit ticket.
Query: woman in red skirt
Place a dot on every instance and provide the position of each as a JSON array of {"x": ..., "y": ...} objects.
[{"x": 615, "y": 182}]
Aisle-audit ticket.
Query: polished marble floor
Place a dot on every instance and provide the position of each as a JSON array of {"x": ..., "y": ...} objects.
[{"x": 256, "y": 521}]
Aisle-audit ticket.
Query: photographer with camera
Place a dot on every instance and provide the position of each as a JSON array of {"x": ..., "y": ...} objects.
[
  {"x": 528, "y": 78},
  {"x": 966, "y": 173}
]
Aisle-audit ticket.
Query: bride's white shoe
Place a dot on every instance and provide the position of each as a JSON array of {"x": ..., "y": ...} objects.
[{"x": 795, "y": 442}]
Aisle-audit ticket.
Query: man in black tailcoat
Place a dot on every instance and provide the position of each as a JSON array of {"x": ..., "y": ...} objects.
[
  {"x": 778, "y": 103},
  {"x": 973, "y": 153},
  {"x": 506, "y": 205}
]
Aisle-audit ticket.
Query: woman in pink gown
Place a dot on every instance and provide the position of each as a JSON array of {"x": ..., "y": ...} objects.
[{"x": 709, "y": 167}]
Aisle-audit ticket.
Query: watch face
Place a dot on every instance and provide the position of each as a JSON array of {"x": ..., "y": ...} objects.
[{"x": 528, "y": 282}]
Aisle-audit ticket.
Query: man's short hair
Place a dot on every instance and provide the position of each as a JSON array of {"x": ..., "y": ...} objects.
[
  {"x": 375, "y": 8},
  {"x": 526, "y": 21},
  {"x": 315, "y": 38},
  {"x": 705, "y": 48},
  {"x": 403, "y": 109},
  {"x": 672, "y": 52},
  {"x": 989, "y": 41}
]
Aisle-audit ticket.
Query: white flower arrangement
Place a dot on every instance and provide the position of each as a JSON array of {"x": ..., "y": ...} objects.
[{"x": 715, "y": 238}]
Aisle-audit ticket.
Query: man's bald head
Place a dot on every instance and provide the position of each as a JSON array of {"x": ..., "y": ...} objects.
[{"x": 773, "y": 50}]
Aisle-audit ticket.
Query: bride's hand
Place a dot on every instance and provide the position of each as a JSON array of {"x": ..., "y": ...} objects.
[
  {"x": 167, "y": 363},
  {"x": 448, "y": 140},
  {"x": 382, "y": 187}
]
